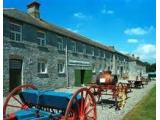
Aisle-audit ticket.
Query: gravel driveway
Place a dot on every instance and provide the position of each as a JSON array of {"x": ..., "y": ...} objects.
[{"x": 135, "y": 96}]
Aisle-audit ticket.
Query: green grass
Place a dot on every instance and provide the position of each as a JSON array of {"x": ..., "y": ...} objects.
[{"x": 145, "y": 109}]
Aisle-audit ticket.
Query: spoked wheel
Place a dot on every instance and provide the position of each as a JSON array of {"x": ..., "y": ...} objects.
[
  {"x": 96, "y": 91},
  {"x": 82, "y": 106},
  {"x": 14, "y": 103},
  {"x": 121, "y": 96}
]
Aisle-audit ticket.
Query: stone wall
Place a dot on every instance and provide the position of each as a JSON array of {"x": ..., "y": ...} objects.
[{"x": 30, "y": 52}]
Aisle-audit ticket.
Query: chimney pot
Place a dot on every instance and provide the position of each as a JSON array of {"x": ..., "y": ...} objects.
[{"x": 33, "y": 9}]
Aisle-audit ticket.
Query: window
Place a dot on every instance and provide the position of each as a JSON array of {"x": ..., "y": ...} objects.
[
  {"x": 84, "y": 48},
  {"x": 109, "y": 68},
  {"x": 41, "y": 37},
  {"x": 100, "y": 68},
  {"x": 42, "y": 67},
  {"x": 61, "y": 68},
  {"x": 89, "y": 50},
  {"x": 96, "y": 52},
  {"x": 102, "y": 53},
  {"x": 94, "y": 69},
  {"x": 93, "y": 53},
  {"x": 60, "y": 44},
  {"x": 15, "y": 32},
  {"x": 74, "y": 47},
  {"x": 80, "y": 47}
]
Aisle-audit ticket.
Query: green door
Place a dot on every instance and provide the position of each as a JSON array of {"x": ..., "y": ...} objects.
[
  {"x": 87, "y": 76},
  {"x": 82, "y": 77},
  {"x": 77, "y": 77}
]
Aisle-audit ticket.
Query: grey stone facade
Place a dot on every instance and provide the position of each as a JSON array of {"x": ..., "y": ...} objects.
[
  {"x": 30, "y": 52},
  {"x": 136, "y": 69}
]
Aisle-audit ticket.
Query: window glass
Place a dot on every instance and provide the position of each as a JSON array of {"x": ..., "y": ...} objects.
[
  {"x": 89, "y": 50},
  {"x": 15, "y": 31},
  {"x": 93, "y": 68},
  {"x": 42, "y": 67},
  {"x": 61, "y": 67},
  {"x": 60, "y": 44},
  {"x": 80, "y": 47},
  {"x": 41, "y": 37}
]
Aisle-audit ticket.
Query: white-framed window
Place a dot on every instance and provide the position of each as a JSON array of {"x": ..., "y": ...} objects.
[
  {"x": 41, "y": 37},
  {"x": 74, "y": 47},
  {"x": 84, "y": 48},
  {"x": 109, "y": 68},
  {"x": 100, "y": 68},
  {"x": 93, "y": 69},
  {"x": 103, "y": 54},
  {"x": 93, "y": 51},
  {"x": 15, "y": 31},
  {"x": 61, "y": 67},
  {"x": 42, "y": 67},
  {"x": 60, "y": 44}
]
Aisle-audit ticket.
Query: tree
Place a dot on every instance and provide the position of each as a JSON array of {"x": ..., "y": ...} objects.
[{"x": 150, "y": 67}]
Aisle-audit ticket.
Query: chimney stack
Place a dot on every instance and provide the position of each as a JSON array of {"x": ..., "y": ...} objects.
[{"x": 33, "y": 9}]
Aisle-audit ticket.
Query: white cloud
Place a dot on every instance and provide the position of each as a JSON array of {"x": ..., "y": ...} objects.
[
  {"x": 104, "y": 11},
  {"x": 135, "y": 31},
  {"x": 146, "y": 52},
  {"x": 132, "y": 40},
  {"x": 73, "y": 30},
  {"x": 138, "y": 30},
  {"x": 80, "y": 15}
]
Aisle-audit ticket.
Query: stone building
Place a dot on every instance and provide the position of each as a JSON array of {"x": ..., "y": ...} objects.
[
  {"x": 136, "y": 68},
  {"x": 46, "y": 55}
]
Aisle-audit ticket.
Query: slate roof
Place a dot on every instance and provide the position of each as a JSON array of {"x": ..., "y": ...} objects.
[{"x": 25, "y": 17}]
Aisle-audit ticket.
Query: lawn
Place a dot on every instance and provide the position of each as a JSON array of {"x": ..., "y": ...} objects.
[{"x": 145, "y": 109}]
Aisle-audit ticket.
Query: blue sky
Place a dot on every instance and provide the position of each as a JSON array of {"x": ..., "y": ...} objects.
[{"x": 129, "y": 25}]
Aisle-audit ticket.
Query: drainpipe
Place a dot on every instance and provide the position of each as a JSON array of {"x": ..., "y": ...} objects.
[
  {"x": 114, "y": 65},
  {"x": 67, "y": 76}
]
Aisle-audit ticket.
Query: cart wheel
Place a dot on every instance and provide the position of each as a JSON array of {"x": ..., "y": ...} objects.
[
  {"x": 82, "y": 106},
  {"x": 16, "y": 104},
  {"x": 96, "y": 91}
]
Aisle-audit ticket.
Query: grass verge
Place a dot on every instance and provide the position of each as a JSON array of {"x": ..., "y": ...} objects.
[{"x": 145, "y": 109}]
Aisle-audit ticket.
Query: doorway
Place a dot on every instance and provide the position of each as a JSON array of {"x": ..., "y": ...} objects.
[
  {"x": 82, "y": 77},
  {"x": 121, "y": 71},
  {"x": 15, "y": 73}
]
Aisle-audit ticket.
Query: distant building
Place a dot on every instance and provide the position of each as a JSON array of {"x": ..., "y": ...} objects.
[
  {"x": 136, "y": 67},
  {"x": 49, "y": 56}
]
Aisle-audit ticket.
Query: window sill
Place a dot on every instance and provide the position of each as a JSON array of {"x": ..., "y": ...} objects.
[
  {"x": 61, "y": 74},
  {"x": 43, "y": 75},
  {"x": 93, "y": 73},
  {"x": 21, "y": 41},
  {"x": 43, "y": 48},
  {"x": 61, "y": 51}
]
